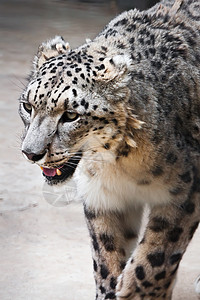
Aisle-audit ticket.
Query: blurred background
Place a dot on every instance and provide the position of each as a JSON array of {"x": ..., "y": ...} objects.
[{"x": 44, "y": 249}]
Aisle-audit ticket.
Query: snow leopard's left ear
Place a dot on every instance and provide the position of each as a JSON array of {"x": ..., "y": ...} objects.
[
  {"x": 49, "y": 49},
  {"x": 115, "y": 71}
]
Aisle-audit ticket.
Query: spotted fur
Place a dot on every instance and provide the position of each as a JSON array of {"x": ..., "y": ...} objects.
[{"x": 123, "y": 111}]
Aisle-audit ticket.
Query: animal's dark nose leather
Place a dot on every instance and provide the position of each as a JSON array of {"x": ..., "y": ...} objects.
[{"x": 33, "y": 156}]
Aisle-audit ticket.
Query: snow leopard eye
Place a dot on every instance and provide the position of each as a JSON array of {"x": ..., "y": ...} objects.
[
  {"x": 69, "y": 116},
  {"x": 27, "y": 107}
]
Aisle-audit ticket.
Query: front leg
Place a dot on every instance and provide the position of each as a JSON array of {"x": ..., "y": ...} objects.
[
  {"x": 150, "y": 272},
  {"x": 114, "y": 236}
]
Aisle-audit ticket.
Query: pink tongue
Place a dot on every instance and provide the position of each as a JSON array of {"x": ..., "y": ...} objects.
[{"x": 49, "y": 172}]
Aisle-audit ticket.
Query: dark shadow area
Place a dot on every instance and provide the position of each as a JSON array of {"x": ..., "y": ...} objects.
[{"x": 120, "y": 5}]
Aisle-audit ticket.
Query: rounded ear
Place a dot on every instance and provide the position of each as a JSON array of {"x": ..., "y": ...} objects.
[
  {"x": 114, "y": 70},
  {"x": 113, "y": 76},
  {"x": 49, "y": 49}
]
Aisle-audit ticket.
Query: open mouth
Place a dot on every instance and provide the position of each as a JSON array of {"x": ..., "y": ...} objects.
[{"x": 64, "y": 172}]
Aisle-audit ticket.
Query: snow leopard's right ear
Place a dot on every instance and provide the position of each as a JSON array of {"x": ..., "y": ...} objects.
[
  {"x": 49, "y": 49},
  {"x": 115, "y": 70}
]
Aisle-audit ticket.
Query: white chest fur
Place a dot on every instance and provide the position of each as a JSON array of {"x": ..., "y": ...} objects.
[{"x": 113, "y": 189}]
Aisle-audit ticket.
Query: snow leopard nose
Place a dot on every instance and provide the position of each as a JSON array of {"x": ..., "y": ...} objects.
[{"x": 32, "y": 156}]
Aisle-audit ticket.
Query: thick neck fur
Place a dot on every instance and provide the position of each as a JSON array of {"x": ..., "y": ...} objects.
[{"x": 158, "y": 60}]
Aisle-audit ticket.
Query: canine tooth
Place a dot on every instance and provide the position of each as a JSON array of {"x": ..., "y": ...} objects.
[
  {"x": 41, "y": 168},
  {"x": 58, "y": 172}
]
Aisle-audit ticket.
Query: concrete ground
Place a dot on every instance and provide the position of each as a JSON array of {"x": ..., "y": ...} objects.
[{"x": 44, "y": 249}]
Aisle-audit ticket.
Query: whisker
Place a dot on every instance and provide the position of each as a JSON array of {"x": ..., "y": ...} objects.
[
  {"x": 18, "y": 86},
  {"x": 93, "y": 160},
  {"x": 73, "y": 166}
]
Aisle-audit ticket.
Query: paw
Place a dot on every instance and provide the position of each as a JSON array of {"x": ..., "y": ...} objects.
[
  {"x": 126, "y": 286},
  {"x": 197, "y": 286}
]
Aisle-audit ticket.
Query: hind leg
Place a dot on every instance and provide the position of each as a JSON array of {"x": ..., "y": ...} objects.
[{"x": 150, "y": 272}]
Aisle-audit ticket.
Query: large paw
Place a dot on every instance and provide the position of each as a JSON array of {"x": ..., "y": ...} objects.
[{"x": 126, "y": 286}]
